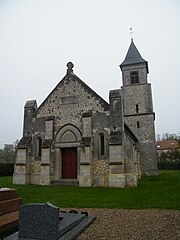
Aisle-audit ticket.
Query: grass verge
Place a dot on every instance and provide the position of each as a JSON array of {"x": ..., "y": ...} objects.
[{"x": 161, "y": 191}]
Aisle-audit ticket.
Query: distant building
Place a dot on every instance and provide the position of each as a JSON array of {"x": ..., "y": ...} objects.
[
  {"x": 166, "y": 146},
  {"x": 75, "y": 136}
]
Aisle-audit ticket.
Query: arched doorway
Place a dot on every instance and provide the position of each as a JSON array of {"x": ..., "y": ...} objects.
[{"x": 67, "y": 146}]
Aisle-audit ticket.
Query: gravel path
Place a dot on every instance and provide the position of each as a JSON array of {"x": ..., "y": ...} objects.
[{"x": 125, "y": 224}]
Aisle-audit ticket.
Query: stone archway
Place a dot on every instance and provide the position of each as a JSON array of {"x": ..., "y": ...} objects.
[
  {"x": 67, "y": 147},
  {"x": 68, "y": 134}
]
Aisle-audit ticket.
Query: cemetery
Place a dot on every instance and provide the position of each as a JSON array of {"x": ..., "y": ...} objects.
[{"x": 38, "y": 221}]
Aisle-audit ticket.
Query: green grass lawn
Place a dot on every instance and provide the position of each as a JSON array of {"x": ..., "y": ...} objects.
[{"x": 161, "y": 191}]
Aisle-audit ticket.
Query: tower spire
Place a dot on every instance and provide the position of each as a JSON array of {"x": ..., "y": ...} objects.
[{"x": 133, "y": 56}]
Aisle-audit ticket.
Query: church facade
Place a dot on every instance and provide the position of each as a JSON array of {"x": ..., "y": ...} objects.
[{"x": 76, "y": 137}]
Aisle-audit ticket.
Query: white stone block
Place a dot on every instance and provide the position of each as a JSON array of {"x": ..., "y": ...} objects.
[
  {"x": 45, "y": 158},
  {"x": 44, "y": 179},
  {"x": 21, "y": 156},
  {"x": 131, "y": 179},
  {"x": 35, "y": 178},
  {"x": 21, "y": 179},
  {"x": 117, "y": 180}
]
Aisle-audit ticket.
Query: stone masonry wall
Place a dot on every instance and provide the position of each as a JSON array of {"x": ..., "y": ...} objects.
[
  {"x": 133, "y": 96},
  {"x": 141, "y": 68},
  {"x": 69, "y": 100},
  {"x": 130, "y": 162},
  {"x": 145, "y": 133}
]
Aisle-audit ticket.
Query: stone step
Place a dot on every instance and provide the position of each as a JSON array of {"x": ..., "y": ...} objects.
[
  {"x": 66, "y": 182},
  {"x": 5, "y": 219},
  {"x": 9, "y": 205},
  {"x": 8, "y": 223},
  {"x": 9, "y": 211},
  {"x": 7, "y": 194}
]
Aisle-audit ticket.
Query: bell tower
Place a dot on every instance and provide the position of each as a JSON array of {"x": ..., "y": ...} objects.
[{"x": 138, "y": 107}]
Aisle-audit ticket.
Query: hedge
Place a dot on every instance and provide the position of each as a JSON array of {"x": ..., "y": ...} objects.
[
  {"x": 6, "y": 169},
  {"x": 169, "y": 165}
]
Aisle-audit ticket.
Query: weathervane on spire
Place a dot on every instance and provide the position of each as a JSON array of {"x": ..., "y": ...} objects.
[{"x": 131, "y": 32}]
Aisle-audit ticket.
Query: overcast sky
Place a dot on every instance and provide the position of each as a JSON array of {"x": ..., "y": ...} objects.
[{"x": 39, "y": 37}]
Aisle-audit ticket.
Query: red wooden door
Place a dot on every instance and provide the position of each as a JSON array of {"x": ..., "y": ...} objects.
[{"x": 69, "y": 163}]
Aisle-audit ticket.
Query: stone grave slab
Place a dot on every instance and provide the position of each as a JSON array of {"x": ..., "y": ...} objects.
[{"x": 45, "y": 221}]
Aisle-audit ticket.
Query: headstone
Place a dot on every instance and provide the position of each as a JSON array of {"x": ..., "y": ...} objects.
[
  {"x": 39, "y": 221},
  {"x": 46, "y": 222}
]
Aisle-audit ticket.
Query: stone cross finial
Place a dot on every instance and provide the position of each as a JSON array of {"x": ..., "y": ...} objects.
[{"x": 70, "y": 66}]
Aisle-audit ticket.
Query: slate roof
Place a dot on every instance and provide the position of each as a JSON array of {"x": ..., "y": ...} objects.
[
  {"x": 133, "y": 56},
  {"x": 24, "y": 142},
  {"x": 130, "y": 133}
]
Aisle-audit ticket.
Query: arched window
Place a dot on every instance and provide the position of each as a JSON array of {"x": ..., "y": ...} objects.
[
  {"x": 102, "y": 144},
  {"x": 38, "y": 147}
]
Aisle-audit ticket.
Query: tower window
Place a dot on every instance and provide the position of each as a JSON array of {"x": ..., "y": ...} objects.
[
  {"x": 137, "y": 108},
  {"x": 138, "y": 125},
  {"x": 134, "y": 76}
]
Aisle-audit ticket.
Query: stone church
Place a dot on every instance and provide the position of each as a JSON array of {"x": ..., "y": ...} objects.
[{"x": 75, "y": 137}]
